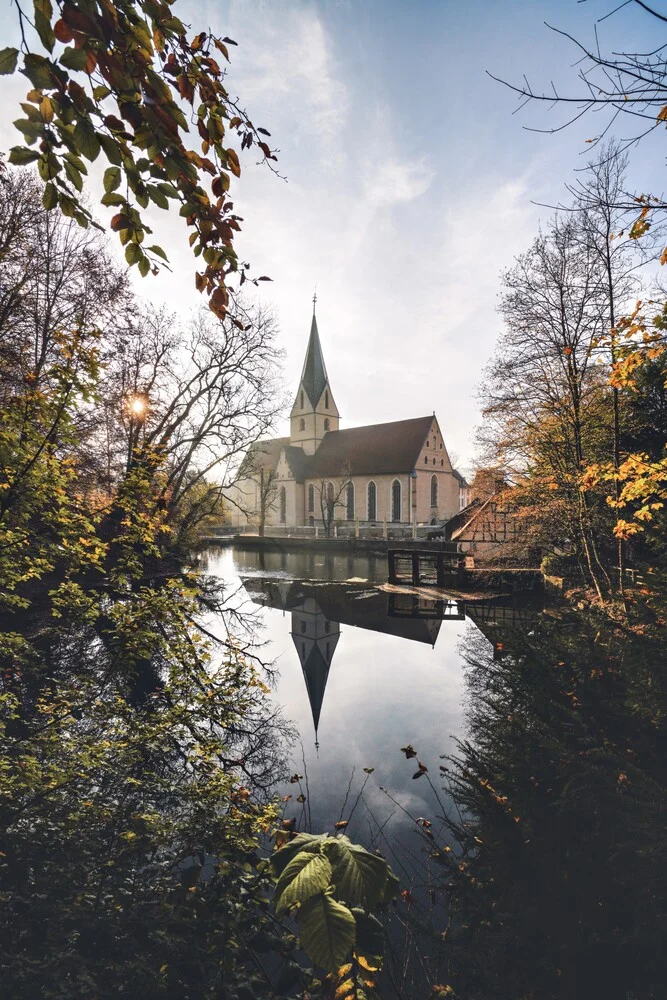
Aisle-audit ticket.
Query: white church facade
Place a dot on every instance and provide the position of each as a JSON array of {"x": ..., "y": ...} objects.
[{"x": 321, "y": 474}]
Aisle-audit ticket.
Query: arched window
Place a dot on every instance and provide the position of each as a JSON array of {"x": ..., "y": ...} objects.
[
  {"x": 283, "y": 505},
  {"x": 442, "y": 461},
  {"x": 302, "y": 399},
  {"x": 434, "y": 461},
  {"x": 349, "y": 513},
  {"x": 396, "y": 500},
  {"x": 371, "y": 496},
  {"x": 434, "y": 491},
  {"x": 311, "y": 497},
  {"x": 326, "y": 399},
  {"x": 302, "y": 424},
  {"x": 425, "y": 459},
  {"x": 326, "y": 423}
]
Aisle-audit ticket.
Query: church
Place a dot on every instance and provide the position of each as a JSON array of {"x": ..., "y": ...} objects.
[{"x": 321, "y": 475}]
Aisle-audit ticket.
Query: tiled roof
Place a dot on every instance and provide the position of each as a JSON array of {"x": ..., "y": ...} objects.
[
  {"x": 298, "y": 462},
  {"x": 375, "y": 450},
  {"x": 314, "y": 374},
  {"x": 262, "y": 455}
]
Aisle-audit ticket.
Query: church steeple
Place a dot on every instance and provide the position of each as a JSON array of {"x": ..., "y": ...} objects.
[{"x": 314, "y": 412}]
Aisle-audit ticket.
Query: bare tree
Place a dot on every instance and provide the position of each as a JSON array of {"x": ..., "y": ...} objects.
[
  {"x": 542, "y": 390},
  {"x": 198, "y": 400},
  {"x": 629, "y": 84},
  {"x": 332, "y": 493}
]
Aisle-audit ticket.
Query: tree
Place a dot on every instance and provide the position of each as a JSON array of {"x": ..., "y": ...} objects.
[
  {"x": 112, "y": 83},
  {"x": 332, "y": 493},
  {"x": 543, "y": 392}
]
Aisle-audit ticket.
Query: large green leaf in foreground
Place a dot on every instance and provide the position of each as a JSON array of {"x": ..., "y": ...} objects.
[{"x": 327, "y": 930}]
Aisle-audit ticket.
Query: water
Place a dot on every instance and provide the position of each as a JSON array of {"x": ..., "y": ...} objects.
[
  {"x": 544, "y": 734},
  {"x": 361, "y": 672}
]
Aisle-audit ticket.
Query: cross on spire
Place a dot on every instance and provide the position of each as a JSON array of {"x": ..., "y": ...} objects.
[{"x": 314, "y": 299}]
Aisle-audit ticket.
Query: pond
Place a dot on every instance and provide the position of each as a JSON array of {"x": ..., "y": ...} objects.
[{"x": 529, "y": 825}]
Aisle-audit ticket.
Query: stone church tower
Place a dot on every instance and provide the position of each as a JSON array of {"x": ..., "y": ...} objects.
[{"x": 314, "y": 411}]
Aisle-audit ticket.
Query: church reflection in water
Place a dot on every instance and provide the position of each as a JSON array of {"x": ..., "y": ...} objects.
[{"x": 318, "y": 610}]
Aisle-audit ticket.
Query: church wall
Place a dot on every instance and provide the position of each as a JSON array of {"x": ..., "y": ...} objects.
[{"x": 448, "y": 494}]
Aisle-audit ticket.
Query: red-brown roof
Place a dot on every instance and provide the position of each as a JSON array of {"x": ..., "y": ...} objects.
[{"x": 375, "y": 450}]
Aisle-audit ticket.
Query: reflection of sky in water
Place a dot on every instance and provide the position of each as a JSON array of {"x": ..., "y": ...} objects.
[{"x": 382, "y": 691}]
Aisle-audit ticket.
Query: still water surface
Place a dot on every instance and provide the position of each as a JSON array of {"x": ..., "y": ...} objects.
[{"x": 362, "y": 672}]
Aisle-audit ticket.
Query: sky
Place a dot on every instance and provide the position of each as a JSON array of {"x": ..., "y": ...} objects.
[{"x": 409, "y": 183}]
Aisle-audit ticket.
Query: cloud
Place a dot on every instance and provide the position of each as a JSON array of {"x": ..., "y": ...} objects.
[
  {"x": 285, "y": 65},
  {"x": 391, "y": 181}
]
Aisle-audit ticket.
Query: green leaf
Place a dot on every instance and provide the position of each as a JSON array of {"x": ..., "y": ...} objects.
[
  {"x": 302, "y": 842},
  {"x": 74, "y": 58},
  {"x": 327, "y": 931},
  {"x": 158, "y": 197},
  {"x": 144, "y": 265},
  {"x": 73, "y": 175},
  {"x": 111, "y": 148},
  {"x": 159, "y": 251},
  {"x": 8, "y": 60},
  {"x": 111, "y": 179},
  {"x": 359, "y": 877},
  {"x": 305, "y": 875},
  {"x": 43, "y": 16},
  {"x": 38, "y": 70},
  {"x": 19, "y": 155},
  {"x": 86, "y": 141},
  {"x": 50, "y": 197},
  {"x": 112, "y": 199},
  {"x": 132, "y": 253}
]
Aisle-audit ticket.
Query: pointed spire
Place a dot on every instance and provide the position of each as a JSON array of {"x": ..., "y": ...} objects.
[{"x": 314, "y": 374}]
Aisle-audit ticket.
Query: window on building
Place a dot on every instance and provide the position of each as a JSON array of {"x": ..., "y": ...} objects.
[
  {"x": 350, "y": 502},
  {"x": 326, "y": 399},
  {"x": 302, "y": 424},
  {"x": 396, "y": 500},
  {"x": 434, "y": 461},
  {"x": 326, "y": 423},
  {"x": 434, "y": 491},
  {"x": 311, "y": 497},
  {"x": 425, "y": 459},
  {"x": 371, "y": 496},
  {"x": 283, "y": 505},
  {"x": 441, "y": 444},
  {"x": 442, "y": 461}
]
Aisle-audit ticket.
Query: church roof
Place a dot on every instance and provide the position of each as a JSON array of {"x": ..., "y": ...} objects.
[
  {"x": 463, "y": 482},
  {"x": 376, "y": 449},
  {"x": 298, "y": 462},
  {"x": 314, "y": 374},
  {"x": 263, "y": 455}
]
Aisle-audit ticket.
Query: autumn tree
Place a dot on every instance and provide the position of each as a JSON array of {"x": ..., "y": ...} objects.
[
  {"x": 542, "y": 392},
  {"x": 111, "y": 80}
]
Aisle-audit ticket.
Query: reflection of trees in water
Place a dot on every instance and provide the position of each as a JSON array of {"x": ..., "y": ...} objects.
[
  {"x": 560, "y": 888},
  {"x": 134, "y": 769}
]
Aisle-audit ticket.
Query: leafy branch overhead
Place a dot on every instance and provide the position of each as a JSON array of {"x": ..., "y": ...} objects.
[{"x": 121, "y": 80}]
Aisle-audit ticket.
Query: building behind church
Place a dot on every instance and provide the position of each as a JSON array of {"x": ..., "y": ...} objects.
[{"x": 396, "y": 472}]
